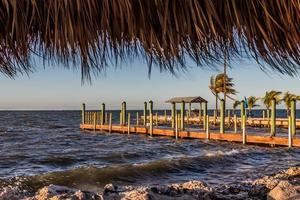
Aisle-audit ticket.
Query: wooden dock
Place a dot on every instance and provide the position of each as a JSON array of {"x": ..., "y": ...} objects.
[
  {"x": 181, "y": 125},
  {"x": 229, "y": 137}
]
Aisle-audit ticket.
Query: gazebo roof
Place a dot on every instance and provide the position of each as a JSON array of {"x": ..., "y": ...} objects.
[{"x": 197, "y": 99}]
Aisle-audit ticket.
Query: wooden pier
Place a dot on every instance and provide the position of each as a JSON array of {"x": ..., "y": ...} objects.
[
  {"x": 184, "y": 125},
  {"x": 230, "y": 137}
]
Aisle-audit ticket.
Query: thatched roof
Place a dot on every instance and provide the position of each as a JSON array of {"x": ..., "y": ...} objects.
[
  {"x": 186, "y": 100},
  {"x": 94, "y": 33}
]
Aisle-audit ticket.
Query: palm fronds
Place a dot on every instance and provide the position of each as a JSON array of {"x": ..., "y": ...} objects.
[{"x": 97, "y": 33}]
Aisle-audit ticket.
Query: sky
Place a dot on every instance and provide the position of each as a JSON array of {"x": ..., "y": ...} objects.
[{"x": 56, "y": 88}]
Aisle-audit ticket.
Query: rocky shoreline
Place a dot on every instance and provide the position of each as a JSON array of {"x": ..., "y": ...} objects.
[{"x": 284, "y": 185}]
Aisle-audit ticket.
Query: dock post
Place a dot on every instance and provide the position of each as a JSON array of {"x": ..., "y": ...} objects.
[
  {"x": 151, "y": 117},
  {"x": 204, "y": 115},
  {"x": 273, "y": 117},
  {"x": 176, "y": 126},
  {"x": 110, "y": 122},
  {"x": 242, "y": 108},
  {"x": 244, "y": 129},
  {"x": 83, "y": 114},
  {"x": 290, "y": 136},
  {"x": 222, "y": 116},
  {"x": 293, "y": 116},
  {"x": 182, "y": 113},
  {"x": 128, "y": 124},
  {"x": 124, "y": 113},
  {"x": 263, "y": 113},
  {"x": 235, "y": 123},
  {"x": 106, "y": 118},
  {"x": 94, "y": 119},
  {"x": 156, "y": 119},
  {"x": 173, "y": 113},
  {"x": 200, "y": 112},
  {"x": 102, "y": 113},
  {"x": 137, "y": 118},
  {"x": 207, "y": 127},
  {"x": 145, "y": 113}
]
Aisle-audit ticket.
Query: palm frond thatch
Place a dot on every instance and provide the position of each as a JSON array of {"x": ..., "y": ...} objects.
[{"x": 94, "y": 33}]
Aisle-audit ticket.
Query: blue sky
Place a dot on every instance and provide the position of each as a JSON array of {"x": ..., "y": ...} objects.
[{"x": 54, "y": 87}]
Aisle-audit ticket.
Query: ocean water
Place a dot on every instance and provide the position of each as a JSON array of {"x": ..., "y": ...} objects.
[{"x": 39, "y": 148}]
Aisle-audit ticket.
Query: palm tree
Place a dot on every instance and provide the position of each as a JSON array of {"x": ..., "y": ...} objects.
[
  {"x": 252, "y": 100},
  {"x": 268, "y": 98},
  {"x": 217, "y": 86},
  {"x": 287, "y": 98}
]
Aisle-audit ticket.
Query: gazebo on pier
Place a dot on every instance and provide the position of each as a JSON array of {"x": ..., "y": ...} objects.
[{"x": 183, "y": 101}]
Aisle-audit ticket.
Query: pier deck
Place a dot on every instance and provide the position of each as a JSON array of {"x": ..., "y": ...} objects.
[{"x": 230, "y": 137}]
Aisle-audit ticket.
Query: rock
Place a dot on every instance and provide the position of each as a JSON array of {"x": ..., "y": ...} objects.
[
  {"x": 10, "y": 193},
  {"x": 285, "y": 190},
  {"x": 293, "y": 171},
  {"x": 110, "y": 188},
  {"x": 267, "y": 181},
  {"x": 54, "y": 192}
]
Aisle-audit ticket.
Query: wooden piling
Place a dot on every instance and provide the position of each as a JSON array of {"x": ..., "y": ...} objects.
[
  {"x": 273, "y": 117},
  {"x": 121, "y": 123},
  {"x": 290, "y": 133},
  {"x": 128, "y": 124},
  {"x": 83, "y": 114},
  {"x": 235, "y": 123},
  {"x": 204, "y": 115},
  {"x": 293, "y": 117},
  {"x": 182, "y": 113},
  {"x": 124, "y": 113},
  {"x": 110, "y": 122},
  {"x": 200, "y": 112},
  {"x": 244, "y": 129},
  {"x": 242, "y": 106},
  {"x": 94, "y": 118},
  {"x": 207, "y": 127},
  {"x": 106, "y": 118},
  {"x": 176, "y": 126},
  {"x": 137, "y": 118},
  {"x": 103, "y": 113},
  {"x": 173, "y": 114},
  {"x": 156, "y": 119},
  {"x": 222, "y": 116},
  {"x": 263, "y": 113},
  {"x": 145, "y": 113},
  {"x": 151, "y": 117}
]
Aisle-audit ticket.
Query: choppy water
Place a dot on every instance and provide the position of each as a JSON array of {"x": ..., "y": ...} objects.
[{"x": 38, "y": 148}]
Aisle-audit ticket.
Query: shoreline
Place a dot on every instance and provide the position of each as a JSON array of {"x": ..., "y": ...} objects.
[{"x": 282, "y": 185}]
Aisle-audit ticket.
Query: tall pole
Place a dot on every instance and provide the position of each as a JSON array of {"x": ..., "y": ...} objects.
[
  {"x": 182, "y": 115},
  {"x": 293, "y": 117},
  {"x": 174, "y": 115},
  {"x": 83, "y": 113},
  {"x": 273, "y": 117},
  {"x": 222, "y": 116},
  {"x": 145, "y": 113}
]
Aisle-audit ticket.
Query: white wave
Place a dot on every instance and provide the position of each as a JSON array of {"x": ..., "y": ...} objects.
[{"x": 221, "y": 153}]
